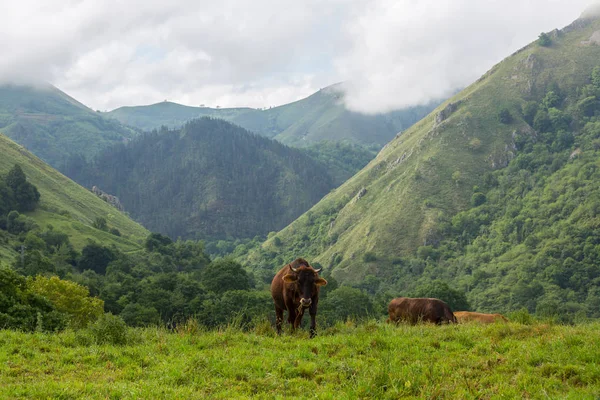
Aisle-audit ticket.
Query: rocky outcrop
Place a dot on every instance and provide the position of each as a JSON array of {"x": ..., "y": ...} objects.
[
  {"x": 446, "y": 112},
  {"x": 360, "y": 194},
  {"x": 109, "y": 198},
  {"x": 594, "y": 39}
]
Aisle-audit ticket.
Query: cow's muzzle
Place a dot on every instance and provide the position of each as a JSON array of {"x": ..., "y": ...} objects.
[{"x": 305, "y": 302}]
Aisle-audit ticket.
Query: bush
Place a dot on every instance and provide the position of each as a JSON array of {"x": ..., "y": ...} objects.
[
  {"x": 369, "y": 256},
  {"x": 521, "y": 316},
  {"x": 68, "y": 298},
  {"x": 438, "y": 289},
  {"x": 109, "y": 329},
  {"x": 504, "y": 116},
  {"x": 100, "y": 223},
  {"x": 544, "y": 40}
]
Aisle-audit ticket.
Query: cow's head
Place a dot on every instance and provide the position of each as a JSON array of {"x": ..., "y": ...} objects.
[{"x": 307, "y": 278}]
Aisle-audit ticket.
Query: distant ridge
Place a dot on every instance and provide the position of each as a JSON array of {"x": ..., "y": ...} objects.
[{"x": 321, "y": 116}]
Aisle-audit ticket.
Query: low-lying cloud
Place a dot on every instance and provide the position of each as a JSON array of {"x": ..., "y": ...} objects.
[{"x": 392, "y": 54}]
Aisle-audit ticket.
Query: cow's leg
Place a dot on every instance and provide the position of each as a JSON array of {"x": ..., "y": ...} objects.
[
  {"x": 313, "y": 319},
  {"x": 278, "y": 319},
  {"x": 292, "y": 317}
]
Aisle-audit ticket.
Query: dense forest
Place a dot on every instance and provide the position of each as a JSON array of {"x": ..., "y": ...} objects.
[{"x": 207, "y": 180}]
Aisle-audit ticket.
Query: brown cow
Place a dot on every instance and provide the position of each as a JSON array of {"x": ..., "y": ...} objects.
[
  {"x": 415, "y": 310},
  {"x": 468, "y": 316},
  {"x": 295, "y": 288}
]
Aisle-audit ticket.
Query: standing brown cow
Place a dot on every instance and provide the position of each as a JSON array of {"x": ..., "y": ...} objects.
[
  {"x": 415, "y": 310},
  {"x": 295, "y": 288},
  {"x": 468, "y": 316}
]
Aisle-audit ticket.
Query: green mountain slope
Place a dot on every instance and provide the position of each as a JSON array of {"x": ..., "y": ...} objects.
[
  {"x": 397, "y": 218},
  {"x": 209, "y": 179},
  {"x": 321, "y": 116},
  {"x": 53, "y": 125},
  {"x": 66, "y": 205}
]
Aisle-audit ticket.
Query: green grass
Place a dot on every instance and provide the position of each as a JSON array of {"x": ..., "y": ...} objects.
[
  {"x": 371, "y": 360},
  {"x": 67, "y": 206}
]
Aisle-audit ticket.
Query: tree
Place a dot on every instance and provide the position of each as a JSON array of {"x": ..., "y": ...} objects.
[
  {"x": 100, "y": 223},
  {"x": 596, "y": 76},
  {"x": 440, "y": 290},
  {"x": 346, "y": 302},
  {"x": 158, "y": 242},
  {"x": 23, "y": 310},
  {"x": 529, "y": 110},
  {"x": 223, "y": 275},
  {"x": 477, "y": 199},
  {"x": 552, "y": 99},
  {"x": 504, "y": 116},
  {"x": 69, "y": 298},
  {"x": 26, "y": 195},
  {"x": 544, "y": 40},
  {"x": 456, "y": 177},
  {"x": 541, "y": 122},
  {"x": 96, "y": 258}
]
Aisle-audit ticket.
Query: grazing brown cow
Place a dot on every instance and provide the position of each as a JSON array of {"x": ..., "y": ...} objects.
[
  {"x": 468, "y": 316},
  {"x": 295, "y": 288},
  {"x": 420, "y": 310}
]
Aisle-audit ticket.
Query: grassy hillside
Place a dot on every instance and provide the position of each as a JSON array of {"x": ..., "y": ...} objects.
[
  {"x": 209, "y": 179},
  {"x": 369, "y": 361},
  {"x": 321, "y": 116},
  {"x": 53, "y": 125},
  {"x": 408, "y": 195},
  {"x": 66, "y": 205}
]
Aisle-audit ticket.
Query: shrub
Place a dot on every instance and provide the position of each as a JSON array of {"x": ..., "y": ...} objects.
[
  {"x": 100, "y": 223},
  {"x": 369, "y": 256},
  {"x": 69, "y": 298},
  {"x": 478, "y": 199},
  {"x": 504, "y": 116},
  {"x": 109, "y": 329},
  {"x": 521, "y": 316},
  {"x": 544, "y": 40}
]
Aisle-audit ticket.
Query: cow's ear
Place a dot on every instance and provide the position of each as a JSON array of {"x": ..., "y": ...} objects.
[
  {"x": 320, "y": 282},
  {"x": 289, "y": 278}
]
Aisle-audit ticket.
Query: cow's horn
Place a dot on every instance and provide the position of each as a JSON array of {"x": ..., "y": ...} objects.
[
  {"x": 293, "y": 269},
  {"x": 318, "y": 270}
]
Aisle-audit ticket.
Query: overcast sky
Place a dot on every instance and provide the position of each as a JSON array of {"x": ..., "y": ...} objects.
[{"x": 260, "y": 53}]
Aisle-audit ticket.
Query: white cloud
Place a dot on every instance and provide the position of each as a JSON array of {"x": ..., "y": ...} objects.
[
  {"x": 265, "y": 52},
  {"x": 408, "y": 52}
]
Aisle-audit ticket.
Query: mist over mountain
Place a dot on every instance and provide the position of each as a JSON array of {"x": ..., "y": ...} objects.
[
  {"x": 53, "y": 125},
  {"x": 321, "y": 116}
]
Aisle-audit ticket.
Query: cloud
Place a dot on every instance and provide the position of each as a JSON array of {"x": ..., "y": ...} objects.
[
  {"x": 265, "y": 52},
  {"x": 408, "y": 52}
]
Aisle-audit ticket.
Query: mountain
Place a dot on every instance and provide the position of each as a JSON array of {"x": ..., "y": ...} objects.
[
  {"x": 67, "y": 206},
  {"x": 321, "y": 116},
  {"x": 494, "y": 193},
  {"x": 209, "y": 179},
  {"x": 53, "y": 125}
]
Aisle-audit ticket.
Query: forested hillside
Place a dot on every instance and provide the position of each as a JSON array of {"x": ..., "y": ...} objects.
[
  {"x": 53, "y": 125},
  {"x": 321, "y": 116},
  {"x": 207, "y": 180},
  {"x": 64, "y": 205},
  {"x": 494, "y": 193}
]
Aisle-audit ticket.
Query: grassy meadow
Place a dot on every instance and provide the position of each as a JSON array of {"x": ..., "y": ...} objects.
[{"x": 368, "y": 360}]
